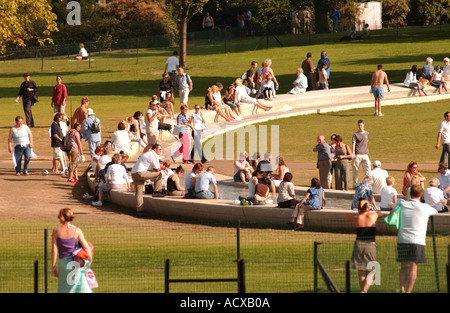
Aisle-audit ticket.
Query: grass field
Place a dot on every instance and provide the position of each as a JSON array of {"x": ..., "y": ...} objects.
[
  {"x": 278, "y": 261},
  {"x": 130, "y": 258}
]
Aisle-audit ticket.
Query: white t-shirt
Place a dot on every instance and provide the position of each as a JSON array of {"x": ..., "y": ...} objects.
[
  {"x": 121, "y": 141},
  {"x": 165, "y": 174},
  {"x": 153, "y": 125},
  {"x": 83, "y": 52},
  {"x": 434, "y": 197},
  {"x": 302, "y": 81},
  {"x": 379, "y": 179},
  {"x": 103, "y": 160},
  {"x": 242, "y": 163},
  {"x": 444, "y": 129},
  {"x": 414, "y": 222},
  {"x": 446, "y": 71},
  {"x": 117, "y": 174},
  {"x": 147, "y": 161},
  {"x": 198, "y": 121},
  {"x": 172, "y": 63},
  {"x": 387, "y": 196},
  {"x": 444, "y": 179}
]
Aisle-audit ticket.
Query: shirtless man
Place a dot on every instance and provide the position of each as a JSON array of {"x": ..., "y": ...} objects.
[
  {"x": 80, "y": 115},
  {"x": 376, "y": 85}
]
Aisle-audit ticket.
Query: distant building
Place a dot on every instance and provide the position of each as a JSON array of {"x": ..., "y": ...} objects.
[{"x": 370, "y": 14}]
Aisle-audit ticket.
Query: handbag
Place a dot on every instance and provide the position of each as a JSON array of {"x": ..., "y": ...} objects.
[
  {"x": 90, "y": 277},
  {"x": 393, "y": 220},
  {"x": 34, "y": 99}
]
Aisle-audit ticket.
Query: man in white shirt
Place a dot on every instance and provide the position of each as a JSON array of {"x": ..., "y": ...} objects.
[
  {"x": 444, "y": 138},
  {"x": 444, "y": 179},
  {"x": 434, "y": 196},
  {"x": 446, "y": 70},
  {"x": 379, "y": 177},
  {"x": 301, "y": 83},
  {"x": 151, "y": 123},
  {"x": 147, "y": 167},
  {"x": 172, "y": 65},
  {"x": 184, "y": 84},
  {"x": 116, "y": 177},
  {"x": 411, "y": 237}
]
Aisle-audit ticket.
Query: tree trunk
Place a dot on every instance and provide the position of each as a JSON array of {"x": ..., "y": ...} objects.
[
  {"x": 183, "y": 43},
  {"x": 184, "y": 18},
  {"x": 321, "y": 22}
]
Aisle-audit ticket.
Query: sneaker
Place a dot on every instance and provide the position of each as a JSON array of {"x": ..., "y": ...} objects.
[
  {"x": 376, "y": 113},
  {"x": 97, "y": 203},
  {"x": 87, "y": 196},
  {"x": 380, "y": 114}
]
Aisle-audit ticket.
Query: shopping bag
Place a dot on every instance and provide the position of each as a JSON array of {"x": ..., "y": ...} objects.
[{"x": 393, "y": 220}]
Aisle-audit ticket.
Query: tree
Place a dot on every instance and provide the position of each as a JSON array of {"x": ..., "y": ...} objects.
[
  {"x": 395, "y": 11},
  {"x": 22, "y": 21},
  {"x": 182, "y": 11}
]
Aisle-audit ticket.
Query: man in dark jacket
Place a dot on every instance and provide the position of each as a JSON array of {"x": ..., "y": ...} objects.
[{"x": 28, "y": 91}]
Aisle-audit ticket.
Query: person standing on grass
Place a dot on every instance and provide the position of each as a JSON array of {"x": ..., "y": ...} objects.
[
  {"x": 411, "y": 238},
  {"x": 172, "y": 65},
  {"x": 308, "y": 70},
  {"x": 444, "y": 138},
  {"x": 376, "y": 85},
  {"x": 59, "y": 97},
  {"x": 71, "y": 279},
  {"x": 364, "y": 248},
  {"x": 27, "y": 91},
  {"x": 360, "y": 152}
]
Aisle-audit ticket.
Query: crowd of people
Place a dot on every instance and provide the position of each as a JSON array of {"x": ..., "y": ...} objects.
[{"x": 257, "y": 86}]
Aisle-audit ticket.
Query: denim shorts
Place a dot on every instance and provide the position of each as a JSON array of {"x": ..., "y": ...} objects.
[{"x": 378, "y": 92}]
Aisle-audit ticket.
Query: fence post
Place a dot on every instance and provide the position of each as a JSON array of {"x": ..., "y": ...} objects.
[
  {"x": 36, "y": 281},
  {"x": 316, "y": 244},
  {"x": 45, "y": 260},
  {"x": 448, "y": 269},
  {"x": 347, "y": 277},
  {"x": 166, "y": 276},
  {"x": 436, "y": 268},
  {"x": 238, "y": 240},
  {"x": 137, "y": 50},
  {"x": 241, "y": 276}
]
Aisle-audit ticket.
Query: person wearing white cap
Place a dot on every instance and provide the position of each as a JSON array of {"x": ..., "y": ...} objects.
[
  {"x": 92, "y": 127},
  {"x": 446, "y": 69},
  {"x": 379, "y": 177}
]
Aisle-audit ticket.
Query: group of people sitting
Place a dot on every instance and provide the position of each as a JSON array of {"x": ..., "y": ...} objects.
[{"x": 435, "y": 76}]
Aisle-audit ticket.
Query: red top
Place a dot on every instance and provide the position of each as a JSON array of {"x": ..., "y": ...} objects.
[{"x": 59, "y": 94}]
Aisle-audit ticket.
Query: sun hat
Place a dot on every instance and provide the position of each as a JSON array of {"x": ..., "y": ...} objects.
[
  {"x": 90, "y": 112},
  {"x": 377, "y": 163}
]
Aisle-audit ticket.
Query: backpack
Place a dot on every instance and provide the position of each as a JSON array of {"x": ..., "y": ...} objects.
[
  {"x": 95, "y": 128},
  {"x": 67, "y": 143}
]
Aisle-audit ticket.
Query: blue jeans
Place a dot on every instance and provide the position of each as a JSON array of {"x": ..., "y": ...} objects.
[
  {"x": 92, "y": 145},
  {"x": 20, "y": 151},
  {"x": 206, "y": 194}
]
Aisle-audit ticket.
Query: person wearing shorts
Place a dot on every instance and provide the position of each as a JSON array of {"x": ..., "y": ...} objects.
[
  {"x": 411, "y": 238},
  {"x": 376, "y": 85}
]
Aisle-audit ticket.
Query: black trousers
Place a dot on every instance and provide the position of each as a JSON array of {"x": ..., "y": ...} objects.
[{"x": 27, "y": 104}]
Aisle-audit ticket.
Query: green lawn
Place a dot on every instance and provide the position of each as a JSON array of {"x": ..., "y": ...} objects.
[{"x": 130, "y": 258}]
